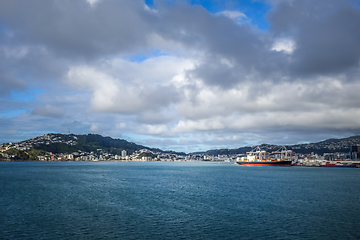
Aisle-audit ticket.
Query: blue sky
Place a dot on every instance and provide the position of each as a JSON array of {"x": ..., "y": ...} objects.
[
  {"x": 255, "y": 10},
  {"x": 26, "y": 96},
  {"x": 173, "y": 75}
]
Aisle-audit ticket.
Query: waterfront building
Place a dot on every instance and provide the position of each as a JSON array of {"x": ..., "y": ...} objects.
[
  {"x": 355, "y": 152},
  {"x": 123, "y": 154}
]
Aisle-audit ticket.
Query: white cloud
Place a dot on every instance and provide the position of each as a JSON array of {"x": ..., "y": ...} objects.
[
  {"x": 153, "y": 129},
  {"x": 94, "y": 128},
  {"x": 150, "y": 10},
  {"x": 127, "y": 87},
  {"x": 93, "y": 2},
  {"x": 284, "y": 45},
  {"x": 120, "y": 125},
  {"x": 234, "y": 15},
  {"x": 199, "y": 125},
  {"x": 216, "y": 81}
]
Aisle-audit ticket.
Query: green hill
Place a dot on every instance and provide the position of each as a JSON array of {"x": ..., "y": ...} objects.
[{"x": 87, "y": 143}]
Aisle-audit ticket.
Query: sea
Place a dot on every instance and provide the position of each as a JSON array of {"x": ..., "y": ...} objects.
[{"x": 176, "y": 200}]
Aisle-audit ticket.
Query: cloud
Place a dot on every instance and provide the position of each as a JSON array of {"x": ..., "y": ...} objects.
[
  {"x": 153, "y": 129},
  {"x": 94, "y": 128},
  {"x": 8, "y": 79},
  {"x": 285, "y": 45},
  {"x": 156, "y": 117},
  {"x": 234, "y": 15},
  {"x": 203, "y": 79},
  {"x": 93, "y": 2},
  {"x": 48, "y": 111},
  {"x": 76, "y": 29},
  {"x": 325, "y": 32},
  {"x": 147, "y": 86},
  {"x": 121, "y": 125}
]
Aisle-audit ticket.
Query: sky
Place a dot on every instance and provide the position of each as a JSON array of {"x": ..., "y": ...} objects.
[{"x": 185, "y": 75}]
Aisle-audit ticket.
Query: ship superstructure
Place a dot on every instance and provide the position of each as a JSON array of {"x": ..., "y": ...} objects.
[{"x": 258, "y": 157}]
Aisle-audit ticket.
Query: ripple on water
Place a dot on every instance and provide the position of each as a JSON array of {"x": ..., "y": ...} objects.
[{"x": 176, "y": 201}]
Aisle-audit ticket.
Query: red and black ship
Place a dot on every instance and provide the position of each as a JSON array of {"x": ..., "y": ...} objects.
[{"x": 258, "y": 157}]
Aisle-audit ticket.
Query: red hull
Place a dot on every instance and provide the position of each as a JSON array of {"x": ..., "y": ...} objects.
[{"x": 274, "y": 164}]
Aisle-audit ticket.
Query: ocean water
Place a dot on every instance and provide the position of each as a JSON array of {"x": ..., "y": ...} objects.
[{"x": 176, "y": 200}]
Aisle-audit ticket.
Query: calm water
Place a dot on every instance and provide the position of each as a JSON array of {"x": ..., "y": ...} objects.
[{"x": 176, "y": 200}]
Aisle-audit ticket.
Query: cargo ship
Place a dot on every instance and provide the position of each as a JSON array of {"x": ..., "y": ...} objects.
[
  {"x": 258, "y": 157},
  {"x": 338, "y": 165}
]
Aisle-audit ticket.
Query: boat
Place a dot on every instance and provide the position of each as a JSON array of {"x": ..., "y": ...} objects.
[
  {"x": 258, "y": 157},
  {"x": 338, "y": 165}
]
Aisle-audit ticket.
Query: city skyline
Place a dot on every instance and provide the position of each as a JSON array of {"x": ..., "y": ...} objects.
[{"x": 181, "y": 75}]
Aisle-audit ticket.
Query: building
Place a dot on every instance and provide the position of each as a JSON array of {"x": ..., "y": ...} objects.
[
  {"x": 355, "y": 152},
  {"x": 123, "y": 154}
]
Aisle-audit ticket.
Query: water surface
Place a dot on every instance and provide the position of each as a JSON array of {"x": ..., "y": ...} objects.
[{"x": 176, "y": 200}]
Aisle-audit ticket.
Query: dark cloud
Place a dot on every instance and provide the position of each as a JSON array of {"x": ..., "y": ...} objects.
[
  {"x": 221, "y": 82},
  {"x": 75, "y": 28},
  {"x": 215, "y": 73},
  {"x": 243, "y": 46},
  {"x": 9, "y": 83},
  {"x": 326, "y": 33},
  {"x": 161, "y": 96},
  {"x": 9, "y": 105},
  {"x": 47, "y": 111},
  {"x": 8, "y": 78},
  {"x": 155, "y": 117}
]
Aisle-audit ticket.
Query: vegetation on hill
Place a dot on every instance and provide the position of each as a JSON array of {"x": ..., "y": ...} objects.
[
  {"x": 70, "y": 143},
  {"x": 90, "y": 143},
  {"x": 25, "y": 155},
  {"x": 215, "y": 152},
  {"x": 326, "y": 146},
  {"x": 59, "y": 148},
  {"x": 146, "y": 154}
]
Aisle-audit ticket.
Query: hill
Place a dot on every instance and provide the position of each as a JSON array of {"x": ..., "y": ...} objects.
[
  {"x": 69, "y": 143},
  {"x": 326, "y": 146},
  {"x": 95, "y": 144},
  {"x": 61, "y": 143}
]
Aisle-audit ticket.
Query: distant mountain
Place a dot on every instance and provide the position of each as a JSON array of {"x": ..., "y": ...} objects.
[
  {"x": 62, "y": 143},
  {"x": 326, "y": 146},
  {"x": 69, "y": 143},
  {"x": 225, "y": 151}
]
